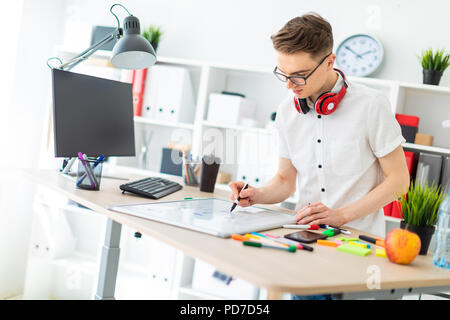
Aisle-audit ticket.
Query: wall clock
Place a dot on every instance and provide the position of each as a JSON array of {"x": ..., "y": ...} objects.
[{"x": 359, "y": 55}]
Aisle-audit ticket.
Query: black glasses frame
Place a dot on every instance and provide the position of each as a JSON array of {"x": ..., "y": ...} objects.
[{"x": 282, "y": 77}]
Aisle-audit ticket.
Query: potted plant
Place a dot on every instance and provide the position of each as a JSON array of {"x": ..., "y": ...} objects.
[
  {"x": 420, "y": 211},
  {"x": 153, "y": 35},
  {"x": 434, "y": 64}
]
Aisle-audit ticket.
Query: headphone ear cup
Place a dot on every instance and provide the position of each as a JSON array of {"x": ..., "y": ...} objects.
[
  {"x": 297, "y": 105},
  {"x": 301, "y": 105},
  {"x": 304, "y": 106},
  {"x": 326, "y": 103}
]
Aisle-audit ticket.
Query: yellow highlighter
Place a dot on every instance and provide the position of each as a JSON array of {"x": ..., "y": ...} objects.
[
  {"x": 359, "y": 244},
  {"x": 248, "y": 235},
  {"x": 348, "y": 248},
  {"x": 379, "y": 252}
]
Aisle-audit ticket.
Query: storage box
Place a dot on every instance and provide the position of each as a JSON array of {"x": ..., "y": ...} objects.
[
  {"x": 229, "y": 109},
  {"x": 423, "y": 139}
]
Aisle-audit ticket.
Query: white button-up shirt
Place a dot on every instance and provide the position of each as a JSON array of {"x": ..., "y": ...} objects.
[{"x": 336, "y": 155}]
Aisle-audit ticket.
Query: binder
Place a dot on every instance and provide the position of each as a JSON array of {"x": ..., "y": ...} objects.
[
  {"x": 409, "y": 125},
  {"x": 169, "y": 95},
  {"x": 397, "y": 209},
  {"x": 445, "y": 175},
  {"x": 387, "y": 209},
  {"x": 411, "y": 162},
  {"x": 429, "y": 168},
  {"x": 138, "y": 90}
]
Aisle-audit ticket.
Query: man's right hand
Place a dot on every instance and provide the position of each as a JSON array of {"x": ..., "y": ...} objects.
[{"x": 248, "y": 196}]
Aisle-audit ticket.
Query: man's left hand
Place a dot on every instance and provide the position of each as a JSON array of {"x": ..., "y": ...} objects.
[{"x": 318, "y": 213}]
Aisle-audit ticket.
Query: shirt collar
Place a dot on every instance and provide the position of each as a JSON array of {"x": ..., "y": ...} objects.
[{"x": 337, "y": 87}]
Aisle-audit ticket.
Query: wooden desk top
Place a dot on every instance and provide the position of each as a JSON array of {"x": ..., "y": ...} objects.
[{"x": 325, "y": 270}]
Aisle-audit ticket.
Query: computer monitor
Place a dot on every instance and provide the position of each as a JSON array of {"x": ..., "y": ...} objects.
[{"x": 92, "y": 115}]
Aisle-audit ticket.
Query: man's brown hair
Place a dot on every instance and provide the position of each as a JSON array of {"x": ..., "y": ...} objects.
[{"x": 309, "y": 33}]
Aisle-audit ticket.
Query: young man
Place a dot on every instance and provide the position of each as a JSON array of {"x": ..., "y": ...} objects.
[{"x": 343, "y": 150}]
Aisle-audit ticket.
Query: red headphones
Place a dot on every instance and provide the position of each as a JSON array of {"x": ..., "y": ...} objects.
[{"x": 326, "y": 103}]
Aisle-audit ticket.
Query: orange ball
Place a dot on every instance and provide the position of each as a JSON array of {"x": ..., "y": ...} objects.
[{"x": 402, "y": 246}]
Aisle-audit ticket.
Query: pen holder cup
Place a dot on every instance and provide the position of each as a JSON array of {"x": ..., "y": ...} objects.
[
  {"x": 189, "y": 176},
  {"x": 89, "y": 174},
  {"x": 208, "y": 173}
]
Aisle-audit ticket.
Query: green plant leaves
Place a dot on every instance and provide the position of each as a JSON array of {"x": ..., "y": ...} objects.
[
  {"x": 152, "y": 34},
  {"x": 438, "y": 60},
  {"x": 421, "y": 204}
]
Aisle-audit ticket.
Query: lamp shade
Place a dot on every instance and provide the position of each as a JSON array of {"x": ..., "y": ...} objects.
[{"x": 133, "y": 51}]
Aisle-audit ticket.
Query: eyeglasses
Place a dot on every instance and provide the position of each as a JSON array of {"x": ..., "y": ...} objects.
[{"x": 298, "y": 80}]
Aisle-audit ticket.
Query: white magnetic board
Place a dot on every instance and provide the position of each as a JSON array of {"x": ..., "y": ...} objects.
[{"x": 210, "y": 216}]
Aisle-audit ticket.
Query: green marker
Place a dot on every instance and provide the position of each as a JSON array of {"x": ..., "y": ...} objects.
[
  {"x": 260, "y": 245},
  {"x": 329, "y": 233},
  {"x": 348, "y": 239}
]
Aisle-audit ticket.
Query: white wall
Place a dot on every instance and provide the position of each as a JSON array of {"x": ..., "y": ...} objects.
[
  {"x": 238, "y": 32},
  {"x": 34, "y": 26}
]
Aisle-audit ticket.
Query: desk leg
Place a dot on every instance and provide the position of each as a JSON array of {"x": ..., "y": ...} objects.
[{"x": 109, "y": 263}]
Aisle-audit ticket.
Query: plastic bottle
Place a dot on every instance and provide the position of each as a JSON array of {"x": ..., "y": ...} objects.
[{"x": 441, "y": 255}]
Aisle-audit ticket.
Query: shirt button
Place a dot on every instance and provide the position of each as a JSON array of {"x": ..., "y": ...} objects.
[
  {"x": 320, "y": 166},
  {"x": 319, "y": 141},
  {"x": 323, "y": 190}
]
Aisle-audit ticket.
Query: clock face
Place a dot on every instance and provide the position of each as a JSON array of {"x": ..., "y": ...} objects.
[{"x": 359, "y": 55}]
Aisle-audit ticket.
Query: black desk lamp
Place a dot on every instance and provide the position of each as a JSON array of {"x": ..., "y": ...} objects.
[{"x": 132, "y": 51}]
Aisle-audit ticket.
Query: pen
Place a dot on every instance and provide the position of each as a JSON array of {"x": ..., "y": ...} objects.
[
  {"x": 326, "y": 226},
  {"x": 340, "y": 229},
  {"x": 296, "y": 226},
  {"x": 368, "y": 239},
  {"x": 378, "y": 242},
  {"x": 260, "y": 245},
  {"x": 86, "y": 165},
  {"x": 238, "y": 199},
  {"x": 69, "y": 165},
  {"x": 263, "y": 238},
  {"x": 99, "y": 159},
  {"x": 291, "y": 242}
]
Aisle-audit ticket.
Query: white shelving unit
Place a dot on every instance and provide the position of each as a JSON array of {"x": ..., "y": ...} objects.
[
  {"x": 430, "y": 103},
  {"x": 259, "y": 84}
]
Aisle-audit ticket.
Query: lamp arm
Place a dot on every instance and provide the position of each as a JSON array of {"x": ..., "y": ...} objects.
[{"x": 89, "y": 51}]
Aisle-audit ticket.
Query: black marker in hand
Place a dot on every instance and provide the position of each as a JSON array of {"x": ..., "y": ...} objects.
[{"x": 238, "y": 198}]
